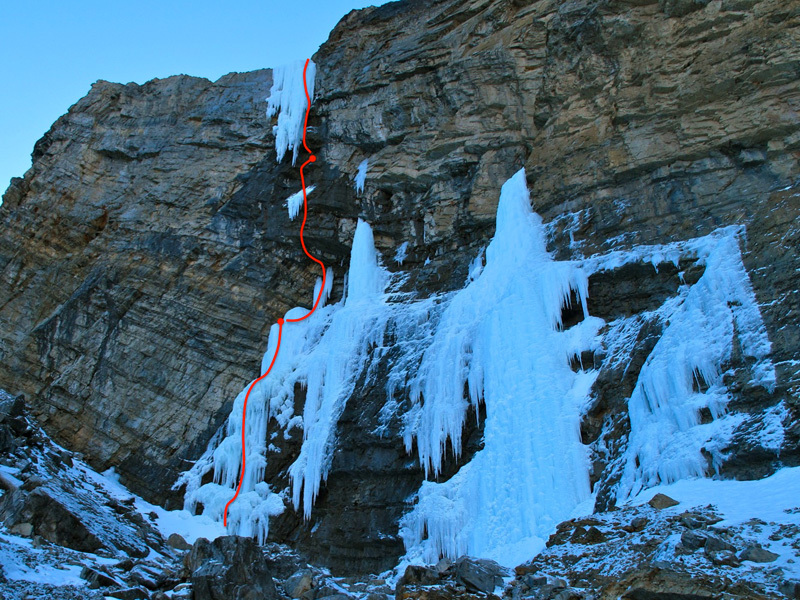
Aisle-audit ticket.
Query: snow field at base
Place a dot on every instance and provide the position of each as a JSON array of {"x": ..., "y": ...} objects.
[
  {"x": 18, "y": 554},
  {"x": 15, "y": 563},
  {"x": 288, "y": 100},
  {"x": 189, "y": 526},
  {"x": 774, "y": 500},
  {"x": 500, "y": 336}
]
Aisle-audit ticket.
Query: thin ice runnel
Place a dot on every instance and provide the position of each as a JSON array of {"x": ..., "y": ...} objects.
[{"x": 295, "y": 202}]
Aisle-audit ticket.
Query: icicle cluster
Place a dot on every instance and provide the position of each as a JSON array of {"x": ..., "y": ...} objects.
[
  {"x": 288, "y": 100},
  {"x": 361, "y": 175},
  {"x": 683, "y": 373},
  {"x": 324, "y": 354},
  {"x": 501, "y": 337},
  {"x": 295, "y": 202}
]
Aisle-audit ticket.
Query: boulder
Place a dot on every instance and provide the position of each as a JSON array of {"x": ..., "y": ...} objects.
[
  {"x": 229, "y": 568},
  {"x": 716, "y": 544},
  {"x": 790, "y": 589},
  {"x": 145, "y": 576},
  {"x": 692, "y": 540},
  {"x": 175, "y": 540},
  {"x": 756, "y": 553},
  {"x": 299, "y": 583},
  {"x": 419, "y": 575},
  {"x": 636, "y": 525},
  {"x": 479, "y": 575},
  {"x": 660, "y": 501},
  {"x": 723, "y": 558},
  {"x": 98, "y": 578},
  {"x": 132, "y": 593}
]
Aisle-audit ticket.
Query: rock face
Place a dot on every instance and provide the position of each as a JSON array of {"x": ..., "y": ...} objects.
[
  {"x": 134, "y": 251},
  {"x": 229, "y": 567},
  {"x": 146, "y": 253}
]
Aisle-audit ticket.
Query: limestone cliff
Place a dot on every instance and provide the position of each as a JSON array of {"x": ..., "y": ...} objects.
[{"x": 147, "y": 251}]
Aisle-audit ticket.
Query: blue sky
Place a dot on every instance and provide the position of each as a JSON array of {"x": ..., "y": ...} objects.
[{"x": 51, "y": 51}]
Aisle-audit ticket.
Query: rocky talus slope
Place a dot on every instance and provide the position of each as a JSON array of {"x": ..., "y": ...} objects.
[
  {"x": 146, "y": 253},
  {"x": 69, "y": 533}
]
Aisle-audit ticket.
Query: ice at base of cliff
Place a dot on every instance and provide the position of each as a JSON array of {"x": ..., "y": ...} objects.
[
  {"x": 323, "y": 354},
  {"x": 501, "y": 337},
  {"x": 684, "y": 372},
  {"x": 288, "y": 100}
]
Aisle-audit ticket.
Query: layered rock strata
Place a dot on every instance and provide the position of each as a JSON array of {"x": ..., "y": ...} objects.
[{"x": 147, "y": 251}]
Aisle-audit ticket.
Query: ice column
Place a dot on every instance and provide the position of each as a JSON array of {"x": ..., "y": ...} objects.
[{"x": 501, "y": 337}]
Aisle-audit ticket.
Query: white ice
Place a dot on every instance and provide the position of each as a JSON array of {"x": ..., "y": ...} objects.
[
  {"x": 295, "y": 202},
  {"x": 288, "y": 100},
  {"x": 361, "y": 175},
  {"x": 500, "y": 336},
  {"x": 401, "y": 254},
  {"x": 324, "y": 354},
  {"x": 667, "y": 438}
]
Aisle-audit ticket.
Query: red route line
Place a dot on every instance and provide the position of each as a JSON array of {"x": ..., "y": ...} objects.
[{"x": 311, "y": 159}]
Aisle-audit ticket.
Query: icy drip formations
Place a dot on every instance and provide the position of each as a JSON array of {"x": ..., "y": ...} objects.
[
  {"x": 361, "y": 176},
  {"x": 501, "y": 337},
  {"x": 667, "y": 439},
  {"x": 323, "y": 354},
  {"x": 288, "y": 100},
  {"x": 295, "y": 202}
]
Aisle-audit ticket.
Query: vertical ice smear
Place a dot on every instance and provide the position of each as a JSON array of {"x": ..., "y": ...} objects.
[
  {"x": 476, "y": 266},
  {"x": 683, "y": 373},
  {"x": 361, "y": 175},
  {"x": 500, "y": 336},
  {"x": 366, "y": 280},
  {"x": 288, "y": 100},
  {"x": 295, "y": 202}
]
